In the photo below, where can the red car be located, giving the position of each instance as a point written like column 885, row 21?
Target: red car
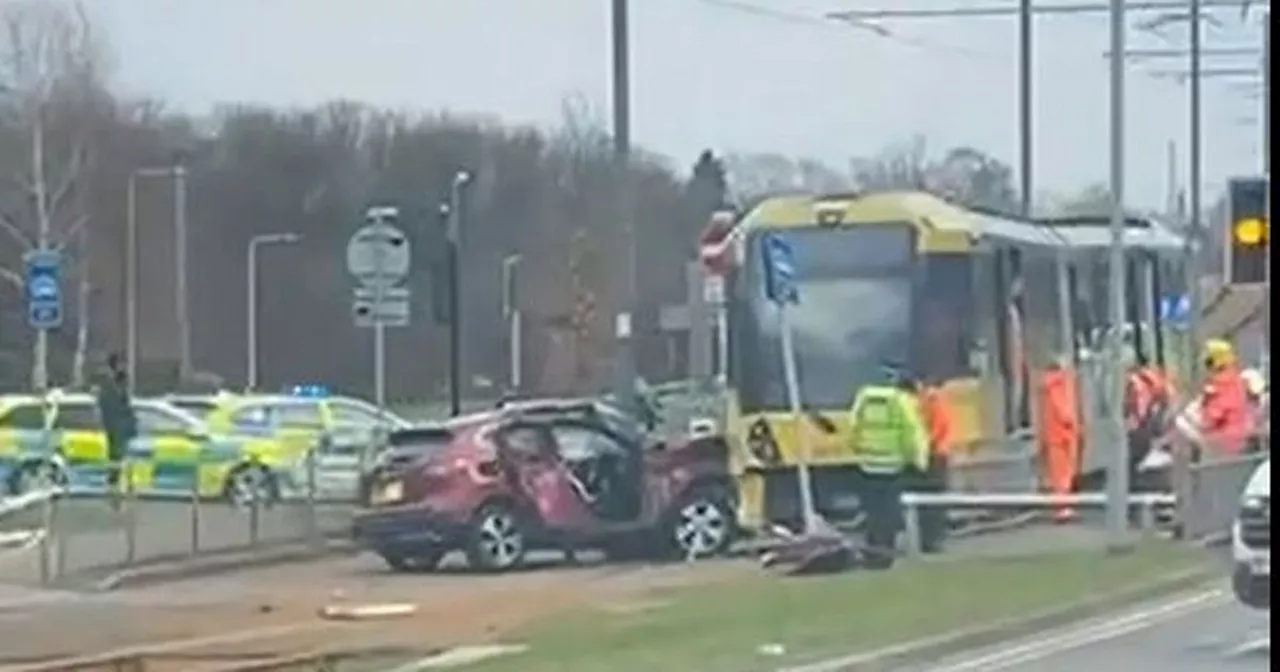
column 547, row 475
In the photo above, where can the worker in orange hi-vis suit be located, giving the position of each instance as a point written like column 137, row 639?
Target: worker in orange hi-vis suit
column 1059, row 433
column 1226, row 419
column 940, row 421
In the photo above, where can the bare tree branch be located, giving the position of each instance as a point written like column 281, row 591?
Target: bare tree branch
column 74, row 231
column 12, row 277
column 71, row 174
column 11, row 227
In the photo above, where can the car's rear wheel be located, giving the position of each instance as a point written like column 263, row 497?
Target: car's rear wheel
column 701, row 524
column 496, row 540
column 249, row 484
column 420, row 560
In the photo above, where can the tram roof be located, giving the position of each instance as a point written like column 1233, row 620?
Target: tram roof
column 1094, row 233
column 932, row 214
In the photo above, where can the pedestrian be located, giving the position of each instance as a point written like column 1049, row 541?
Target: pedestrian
column 1060, row 433
column 888, row 440
column 939, row 419
column 115, row 407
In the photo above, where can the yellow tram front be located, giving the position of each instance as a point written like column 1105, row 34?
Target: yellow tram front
column 973, row 302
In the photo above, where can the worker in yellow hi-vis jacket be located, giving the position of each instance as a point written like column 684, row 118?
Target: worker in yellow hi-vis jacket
column 889, row 441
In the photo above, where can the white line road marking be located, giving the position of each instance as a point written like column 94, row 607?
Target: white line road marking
column 1257, row 644
column 1091, row 633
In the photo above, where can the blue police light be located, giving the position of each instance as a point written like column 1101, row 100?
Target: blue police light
column 309, row 391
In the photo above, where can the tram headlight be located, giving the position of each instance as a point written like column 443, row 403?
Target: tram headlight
column 761, row 444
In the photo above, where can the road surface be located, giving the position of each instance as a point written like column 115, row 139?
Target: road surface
column 1204, row 631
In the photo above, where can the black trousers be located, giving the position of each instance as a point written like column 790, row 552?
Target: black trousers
column 934, row 520
column 881, row 498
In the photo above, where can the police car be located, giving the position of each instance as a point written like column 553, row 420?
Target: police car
column 58, row 439
column 343, row 431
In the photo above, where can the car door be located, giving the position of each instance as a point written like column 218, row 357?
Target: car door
column 24, row 435
column 298, row 425
column 614, row 458
column 164, row 445
column 83, row 443
column 355, row 432
column 543, row 478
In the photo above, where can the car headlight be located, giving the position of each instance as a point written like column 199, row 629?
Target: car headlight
column 1254, row 503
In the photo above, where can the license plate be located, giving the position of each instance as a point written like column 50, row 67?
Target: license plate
column 388, row 493
column 1260, row 566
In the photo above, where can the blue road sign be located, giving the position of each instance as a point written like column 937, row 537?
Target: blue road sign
column 43, row 289
column 779, row 270
column 1175, row 309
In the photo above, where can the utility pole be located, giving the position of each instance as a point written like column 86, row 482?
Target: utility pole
column 1195, row 232
column 1118, row 470
column 1026, row 108
column 623, row 328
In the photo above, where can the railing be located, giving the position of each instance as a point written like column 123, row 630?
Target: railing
column 80, row 530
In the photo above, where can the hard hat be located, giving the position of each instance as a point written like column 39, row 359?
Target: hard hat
column 1254, row 382
column 1218, row 353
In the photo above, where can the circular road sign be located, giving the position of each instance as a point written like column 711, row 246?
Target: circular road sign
column 378, row 255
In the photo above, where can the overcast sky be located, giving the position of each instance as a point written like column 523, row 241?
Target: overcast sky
column 706, row 74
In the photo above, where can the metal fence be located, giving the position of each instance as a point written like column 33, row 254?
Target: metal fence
column 87, row 532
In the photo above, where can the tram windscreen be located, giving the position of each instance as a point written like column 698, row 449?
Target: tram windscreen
column 854, row 315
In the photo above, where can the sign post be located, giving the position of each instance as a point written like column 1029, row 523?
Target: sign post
column 715, row 252
column 782, row 290
column 378, row 257
column 43, row 284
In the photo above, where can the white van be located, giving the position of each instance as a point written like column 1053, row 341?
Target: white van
column 1251, row 541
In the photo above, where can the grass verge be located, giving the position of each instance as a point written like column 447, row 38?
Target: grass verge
column 770, row 623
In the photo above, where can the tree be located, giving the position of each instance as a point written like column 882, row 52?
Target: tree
column 963, row 175
column 707, row 189
column 51, row 74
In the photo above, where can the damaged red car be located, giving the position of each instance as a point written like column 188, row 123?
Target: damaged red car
column 556, row 476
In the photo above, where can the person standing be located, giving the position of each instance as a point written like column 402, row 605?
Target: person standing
column 939, row 420
column 888, row 440
column 1060, row 433
column 115, row 407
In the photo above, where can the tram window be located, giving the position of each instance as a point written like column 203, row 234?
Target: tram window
column 945, row 331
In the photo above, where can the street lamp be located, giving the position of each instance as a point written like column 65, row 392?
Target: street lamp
column 511, row 312
column 178, row 173
column 452, row 213
column 251, row 304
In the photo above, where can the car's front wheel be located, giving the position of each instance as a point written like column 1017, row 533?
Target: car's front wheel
column 420, row 560
column 701, row 524
column 496, row 539
column 251, row 484
column 1251, row 589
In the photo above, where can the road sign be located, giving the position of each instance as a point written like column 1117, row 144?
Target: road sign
column 378, row 255
column 43, row 289
column 779, row 270
column 715, row 245
column 1175, row 309
column 388, row 307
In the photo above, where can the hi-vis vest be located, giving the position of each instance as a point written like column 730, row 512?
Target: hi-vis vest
column 888, row 432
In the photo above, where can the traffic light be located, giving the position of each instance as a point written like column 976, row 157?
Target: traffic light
column 1248, row 230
